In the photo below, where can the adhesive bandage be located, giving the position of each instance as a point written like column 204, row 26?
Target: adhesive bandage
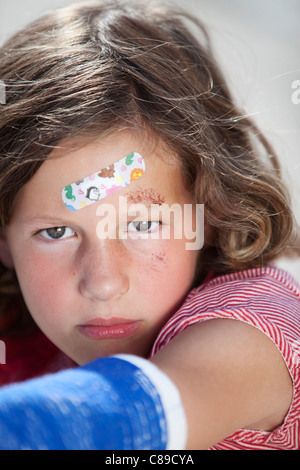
column 104, row 182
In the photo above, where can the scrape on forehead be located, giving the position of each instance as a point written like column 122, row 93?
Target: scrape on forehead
column 145, row 195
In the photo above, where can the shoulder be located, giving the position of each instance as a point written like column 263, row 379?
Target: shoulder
column 267, row 298
column 259, row 284
column 230, row 377
column 240, row 375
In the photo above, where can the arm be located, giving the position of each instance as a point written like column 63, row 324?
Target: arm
column 114, row 403
column 230, row 376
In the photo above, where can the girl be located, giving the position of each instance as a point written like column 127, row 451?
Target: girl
column 87, row 87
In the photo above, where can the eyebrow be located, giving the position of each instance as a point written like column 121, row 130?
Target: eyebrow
column 44, row 220
column 145, row 195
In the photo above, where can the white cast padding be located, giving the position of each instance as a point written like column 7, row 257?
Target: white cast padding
column 170, row 398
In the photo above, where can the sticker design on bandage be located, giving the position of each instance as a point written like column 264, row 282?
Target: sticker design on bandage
column 105, row 182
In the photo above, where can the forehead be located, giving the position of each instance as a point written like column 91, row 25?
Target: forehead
column 75, row 160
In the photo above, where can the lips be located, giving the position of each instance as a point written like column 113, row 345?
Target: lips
column 114, row 328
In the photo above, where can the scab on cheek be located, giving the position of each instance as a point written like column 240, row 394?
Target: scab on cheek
column 159, row 261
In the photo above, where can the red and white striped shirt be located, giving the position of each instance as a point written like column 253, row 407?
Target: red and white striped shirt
column 269, row 299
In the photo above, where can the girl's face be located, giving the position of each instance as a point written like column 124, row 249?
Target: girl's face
column 94, row 295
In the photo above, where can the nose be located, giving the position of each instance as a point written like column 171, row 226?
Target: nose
column 104, row 271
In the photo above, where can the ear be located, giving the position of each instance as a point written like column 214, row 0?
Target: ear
column 5, row 255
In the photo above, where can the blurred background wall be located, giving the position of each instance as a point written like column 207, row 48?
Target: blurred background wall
column 258, row 44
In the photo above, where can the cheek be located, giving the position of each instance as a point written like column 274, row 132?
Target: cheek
column 41, row 284
column 167, row 275
column 163, row 284
column 175, row 260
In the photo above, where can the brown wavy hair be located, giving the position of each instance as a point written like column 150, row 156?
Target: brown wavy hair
column 94, row 67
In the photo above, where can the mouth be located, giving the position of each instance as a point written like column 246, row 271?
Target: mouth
column 114, row 328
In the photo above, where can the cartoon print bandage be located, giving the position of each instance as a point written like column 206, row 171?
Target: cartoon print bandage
column 105, row 182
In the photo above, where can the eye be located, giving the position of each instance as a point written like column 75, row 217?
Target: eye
column 57, row 233
column 142, row 227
